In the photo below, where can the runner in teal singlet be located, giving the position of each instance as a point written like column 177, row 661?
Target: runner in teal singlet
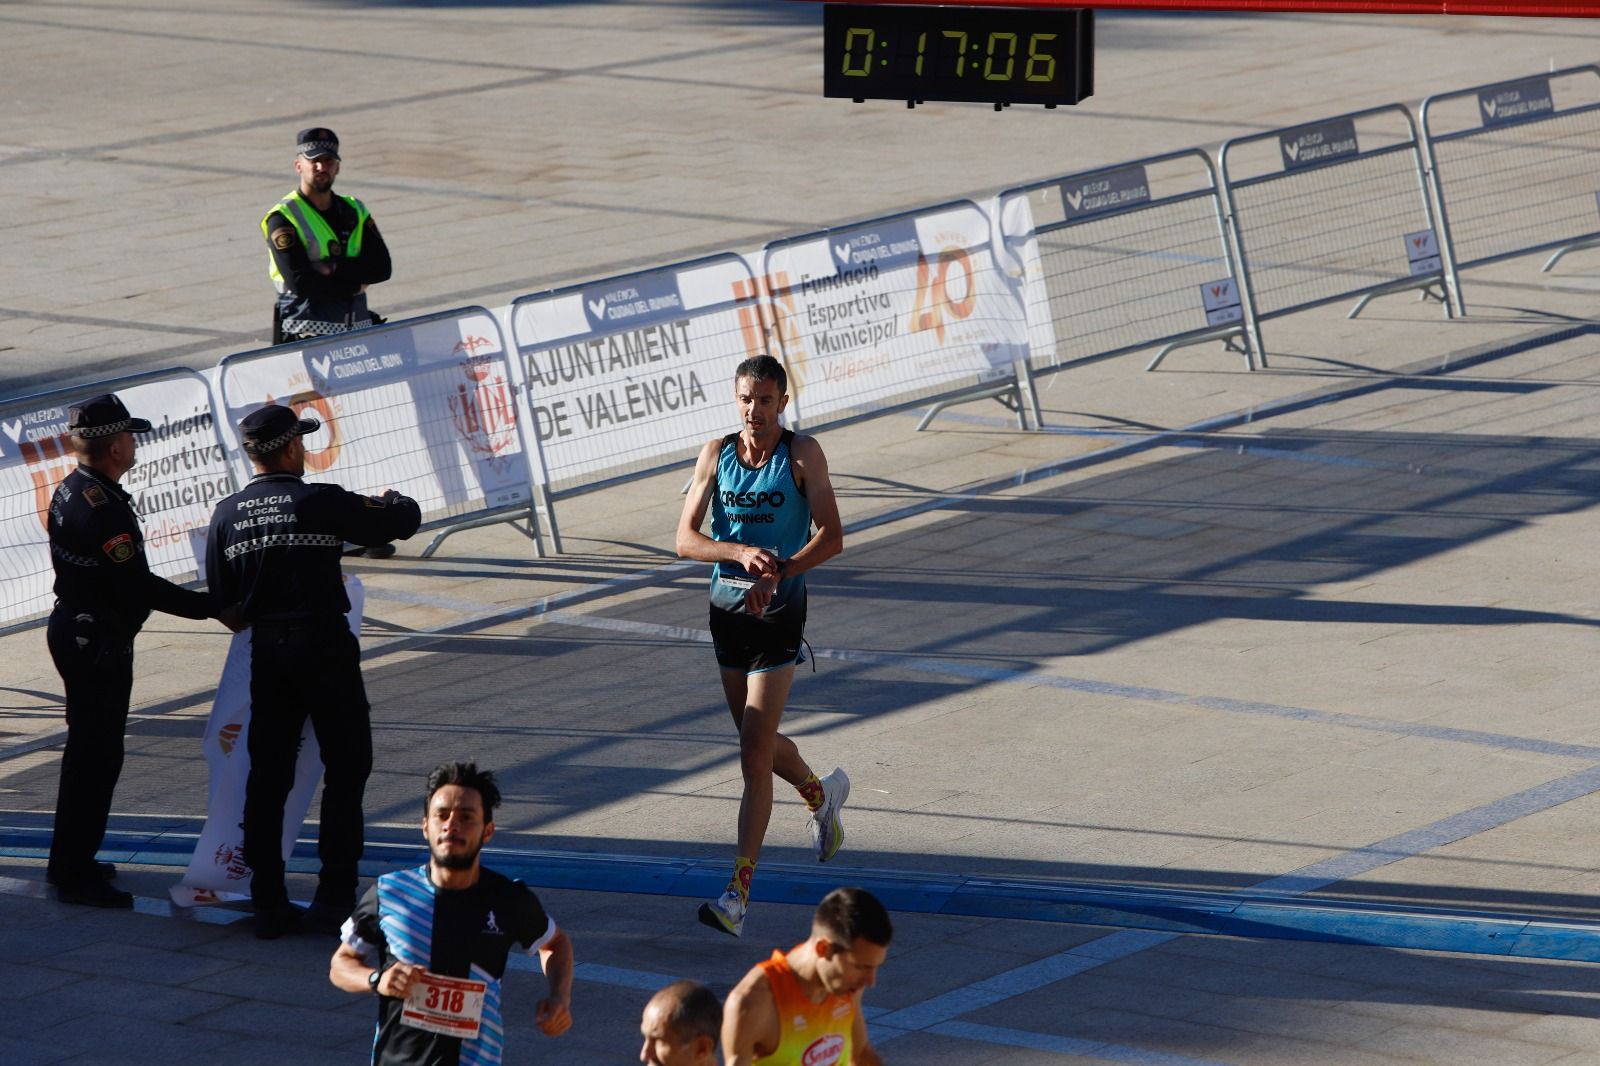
column 773, row 517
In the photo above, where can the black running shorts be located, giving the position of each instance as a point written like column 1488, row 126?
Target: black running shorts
column 756, row 645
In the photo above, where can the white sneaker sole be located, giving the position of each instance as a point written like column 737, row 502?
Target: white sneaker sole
column 838, row 826
column 712, row 917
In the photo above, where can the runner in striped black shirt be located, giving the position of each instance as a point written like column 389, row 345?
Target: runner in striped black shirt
column 432, row 942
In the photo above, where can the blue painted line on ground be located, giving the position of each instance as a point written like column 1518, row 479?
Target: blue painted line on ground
column 1026, row 978
column 1065, row 1045
column 1550, row 939
column 1428, row 837
column 1270, row 910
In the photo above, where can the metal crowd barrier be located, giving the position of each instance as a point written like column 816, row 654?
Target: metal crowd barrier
column 899, row 311
column 1512, row 166
column 1330, row 210
column 181, row 472
column 630, row 375
column 1126, row 257
column 426, row 406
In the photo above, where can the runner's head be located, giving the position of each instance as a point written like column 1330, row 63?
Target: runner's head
column 761, row 392
column 850, row 933
column 458, row 814
column 681, row 1026
column 763, row 368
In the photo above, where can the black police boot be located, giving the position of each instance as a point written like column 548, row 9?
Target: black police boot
column 94, row 893
column 273, row 922
column 327, row 917
column 103, row 870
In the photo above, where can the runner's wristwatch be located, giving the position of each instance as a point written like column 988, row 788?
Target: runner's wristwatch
column 374, row 977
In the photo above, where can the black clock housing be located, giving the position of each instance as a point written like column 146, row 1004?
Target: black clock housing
column 992, row 55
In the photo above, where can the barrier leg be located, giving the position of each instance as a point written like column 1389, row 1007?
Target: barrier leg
column 1026, row 388
column 512, row 519
column 550, row 519
column 1000, row 392
column 1226, row 336
column 1365, row 300
column 1443, row 296
column 1160, row 355
column 1562, row 251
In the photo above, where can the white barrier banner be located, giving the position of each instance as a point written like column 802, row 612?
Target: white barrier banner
column 217, row 871
column 179, row 474
column 425, row 407
column 1017, row 254
column 887, row 310
column 635, row 371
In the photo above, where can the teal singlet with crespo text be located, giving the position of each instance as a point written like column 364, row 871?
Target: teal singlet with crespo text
column 761, row 507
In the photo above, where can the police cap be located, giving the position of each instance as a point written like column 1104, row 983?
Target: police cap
column 316, row 142
column 102, row 416
column 269, row 428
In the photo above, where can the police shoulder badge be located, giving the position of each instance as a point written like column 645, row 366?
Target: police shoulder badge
column 282, row 239
column 95, row 495
column 119, row 549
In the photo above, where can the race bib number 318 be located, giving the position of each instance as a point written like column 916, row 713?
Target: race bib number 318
column 451, row 1006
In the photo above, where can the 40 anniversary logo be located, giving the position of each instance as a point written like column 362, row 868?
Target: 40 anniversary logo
column 322, row 448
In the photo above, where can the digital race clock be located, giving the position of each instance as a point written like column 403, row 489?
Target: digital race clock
column 995, row 55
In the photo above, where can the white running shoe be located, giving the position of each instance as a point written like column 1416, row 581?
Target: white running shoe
column 725, row 913
column 827, row 830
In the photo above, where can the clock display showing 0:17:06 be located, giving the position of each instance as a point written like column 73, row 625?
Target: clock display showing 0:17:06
column 997, row 55
column 951, row 55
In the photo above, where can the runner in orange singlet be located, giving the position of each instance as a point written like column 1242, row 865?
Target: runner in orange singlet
column 803, row 1008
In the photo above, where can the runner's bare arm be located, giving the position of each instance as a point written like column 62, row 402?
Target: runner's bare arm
column 749, row 1021
column 554, row 1013
column 811, row 471
column 348, row 971
column 693, row 544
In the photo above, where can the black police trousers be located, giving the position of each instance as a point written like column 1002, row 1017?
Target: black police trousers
column 95, row 662
column 300, row 670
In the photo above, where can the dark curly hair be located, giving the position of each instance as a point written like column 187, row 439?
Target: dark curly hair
column 466, row 775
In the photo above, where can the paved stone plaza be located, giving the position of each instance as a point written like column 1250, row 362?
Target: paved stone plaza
column 1310, row 638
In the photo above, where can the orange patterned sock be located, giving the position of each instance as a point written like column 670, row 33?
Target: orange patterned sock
column 744, row 871
column 811, row 791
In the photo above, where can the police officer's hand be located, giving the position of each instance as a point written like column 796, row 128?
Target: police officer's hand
column 553, row 1017
column 398, row 979
column 232, row 617
column 324, row 267
column 391, row 495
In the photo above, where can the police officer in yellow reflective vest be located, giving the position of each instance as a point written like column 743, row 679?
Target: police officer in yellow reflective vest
column 325, row 249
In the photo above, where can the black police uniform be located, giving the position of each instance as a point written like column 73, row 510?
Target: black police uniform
column 104, row 592
column 311, row 303
column 317, row 304
column 273, row 550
